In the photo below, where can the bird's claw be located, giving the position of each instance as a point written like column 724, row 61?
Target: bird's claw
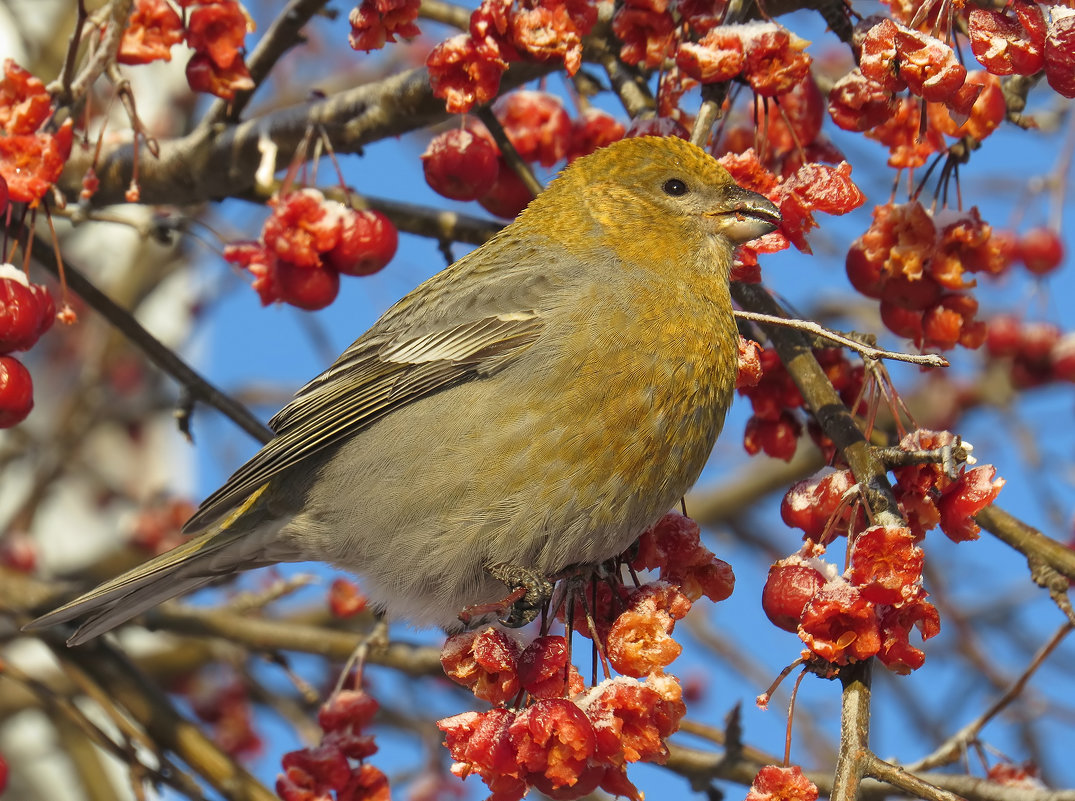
column 530, row 592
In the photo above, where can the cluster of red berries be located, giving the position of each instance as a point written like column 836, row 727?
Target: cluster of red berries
column 811, row 187
column 220, row 698
column 337, row 765
column 823, row 507
column 1016, row 40
column 778, row 406
column 158, row 526
column 776, row 783
column 466, row 69
column 867, row 611
column 916, row 264
column 870, row 608
column 1038, row 353
column 568, row 739
column 26, row 312
column 374, row 22
column 568, row 747
column 465, row 163
column 771, row 59
column 213, row 29
column 307, row 243
column 31, row 159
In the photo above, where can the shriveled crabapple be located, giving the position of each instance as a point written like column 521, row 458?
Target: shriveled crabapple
column 717, row 56
column 536, row 124
column 374, row 22
column 639, row 641
column 302, row 226
column 153, row 28
column 486, row 662
column 812, row 504
column 775, row 783
column 775, row 61
column 886, row 564
column 976, row 109
column 593, row 128
column 1060, row 50
column 673, row 545
column 31, row 163
column 840, row 625
column 857, row 103
column 24, row 101
column 548, row 30
column 648, row 35
column 1009, row 40
column 462, row 74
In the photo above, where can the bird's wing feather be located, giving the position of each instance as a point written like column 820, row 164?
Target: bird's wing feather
column 379, row 373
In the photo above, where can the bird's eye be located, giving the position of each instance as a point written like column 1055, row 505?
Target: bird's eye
column 675, row 187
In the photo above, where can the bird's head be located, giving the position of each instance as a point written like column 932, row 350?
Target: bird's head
column 652, row 188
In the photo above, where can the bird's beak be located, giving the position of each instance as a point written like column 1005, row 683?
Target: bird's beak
column 745, row 215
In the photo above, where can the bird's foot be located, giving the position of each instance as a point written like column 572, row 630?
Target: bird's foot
column 530, row 591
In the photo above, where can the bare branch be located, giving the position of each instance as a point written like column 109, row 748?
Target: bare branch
column 861, row 348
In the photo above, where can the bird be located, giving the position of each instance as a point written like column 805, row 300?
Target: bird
column 535, row 406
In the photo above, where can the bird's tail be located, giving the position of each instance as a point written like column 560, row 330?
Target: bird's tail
column 222, row 550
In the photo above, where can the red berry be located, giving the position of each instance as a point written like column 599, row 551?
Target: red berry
column 536, row 124
column 592, row 129
column 460, row 164
column 865, row 273
column 26, row 310
column 509, row 194
column 309, row 288
column 16, row 392
column 787, row 591
column 1041, row 250
column 900, row 321
column 18, row 552
column 367, row 242
column 1063, row 358
column 345, row 599
column 1002, row 336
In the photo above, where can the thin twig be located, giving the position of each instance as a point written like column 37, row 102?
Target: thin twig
column 865, row 351
column 283, row 34
column 951, row 749
column 157, row 352
column 904, row 780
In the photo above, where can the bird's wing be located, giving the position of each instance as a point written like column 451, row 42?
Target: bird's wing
column 380, row 372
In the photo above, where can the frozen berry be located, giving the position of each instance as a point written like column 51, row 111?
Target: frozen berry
column 368, row 241
column 460, row 164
